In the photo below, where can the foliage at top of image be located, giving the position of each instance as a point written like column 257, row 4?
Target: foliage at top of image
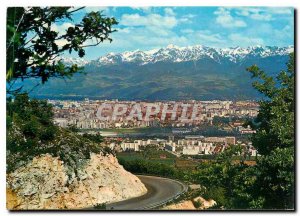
column 33, row 45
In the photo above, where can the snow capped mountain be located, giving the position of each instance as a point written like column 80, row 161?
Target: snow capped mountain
column 71, row 61
column 173, row 53
column 171, row 73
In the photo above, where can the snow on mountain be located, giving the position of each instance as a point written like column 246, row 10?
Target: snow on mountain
column 173, row 53
column 71, row 61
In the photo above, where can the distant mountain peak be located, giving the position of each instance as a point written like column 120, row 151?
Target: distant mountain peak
column 171, row 73
column 174, row 53
column 71, row 61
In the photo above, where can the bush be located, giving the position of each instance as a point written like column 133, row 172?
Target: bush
column 93, row 137
column 31, row 132
column 217, row 194
column 197, row 203
column 101, row 206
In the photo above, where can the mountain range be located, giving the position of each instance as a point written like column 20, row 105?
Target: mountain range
column 169, row 73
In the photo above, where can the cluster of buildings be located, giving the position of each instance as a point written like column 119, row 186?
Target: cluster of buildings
column 190, row 145
column 85, row 114
column 228, row 109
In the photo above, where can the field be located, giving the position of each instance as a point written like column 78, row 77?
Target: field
column 167, row 158
column 160, row 156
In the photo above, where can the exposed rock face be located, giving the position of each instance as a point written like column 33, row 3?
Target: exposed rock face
column 44, row 184
column 188, row 204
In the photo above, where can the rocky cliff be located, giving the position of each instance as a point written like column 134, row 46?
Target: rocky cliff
column 45, row 183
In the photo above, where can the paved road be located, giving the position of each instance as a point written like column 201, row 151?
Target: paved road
column 160, row 191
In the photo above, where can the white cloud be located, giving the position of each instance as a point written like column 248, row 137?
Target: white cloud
column 157, row 30
column 203, row 37
column 148, row 20
column 254, row 13
column 281, row 35
column 190, row 16
column 262, row 13
column 243, row 40
column 186, row 18
column 225, row 19
column 281, row 10
column 149, row 30
column 150, row 37
column 90, row 9
column 144, row 9
column 61, row 29
column 257, row 16
column 169, row 12
column 124, row 30
column 208, row 37
column 61, row 42
column 187, row 31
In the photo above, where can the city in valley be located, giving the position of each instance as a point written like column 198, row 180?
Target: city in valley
column 192, row 129
column 150, row 108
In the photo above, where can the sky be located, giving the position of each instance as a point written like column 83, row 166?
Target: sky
column 145, row 28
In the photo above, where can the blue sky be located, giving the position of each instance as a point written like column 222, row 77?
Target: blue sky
column 154, row 27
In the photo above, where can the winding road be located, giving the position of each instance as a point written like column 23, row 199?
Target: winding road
column 160, row 191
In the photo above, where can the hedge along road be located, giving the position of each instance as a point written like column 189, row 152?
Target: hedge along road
column 160, row 191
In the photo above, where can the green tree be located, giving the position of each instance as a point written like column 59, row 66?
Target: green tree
column 35, row 118
column 33, row 45
column 97, row 138
column 226, row 181
column 31, row 132
column 274, row 139
column 33, row 51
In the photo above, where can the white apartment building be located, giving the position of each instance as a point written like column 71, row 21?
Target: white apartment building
column 191, row 150
column 187, row 141
column 130, row 146
column 200, row 148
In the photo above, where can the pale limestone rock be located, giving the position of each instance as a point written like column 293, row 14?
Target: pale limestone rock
column 44, row 184
column 183, row 205
column 188, row 204
column 205, row 203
